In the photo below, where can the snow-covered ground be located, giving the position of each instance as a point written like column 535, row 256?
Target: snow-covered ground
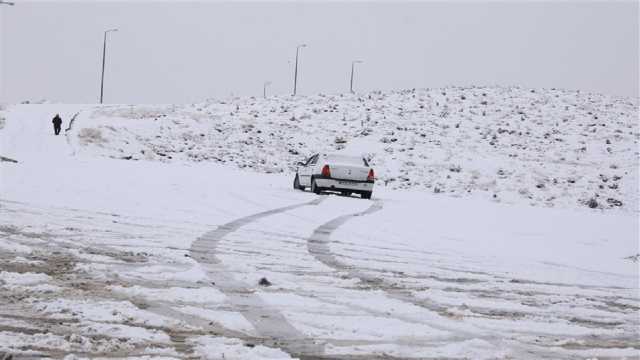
column 107, row 252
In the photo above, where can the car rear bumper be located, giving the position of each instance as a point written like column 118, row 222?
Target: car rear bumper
column 341, row 185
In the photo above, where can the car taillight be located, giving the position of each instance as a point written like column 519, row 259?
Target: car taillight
column 326, row 172
column 371, row 175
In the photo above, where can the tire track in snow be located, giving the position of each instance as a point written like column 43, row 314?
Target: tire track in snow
column 318, row 242
column 318, row 246
column 267, row 320
column 52, row 252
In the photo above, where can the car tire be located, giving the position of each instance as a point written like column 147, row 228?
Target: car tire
column 296, row 183
column 366, row 195
column 314, row 188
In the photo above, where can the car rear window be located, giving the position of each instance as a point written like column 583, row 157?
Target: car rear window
column 347, row 160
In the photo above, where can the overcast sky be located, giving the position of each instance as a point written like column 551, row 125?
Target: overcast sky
column 175, row 52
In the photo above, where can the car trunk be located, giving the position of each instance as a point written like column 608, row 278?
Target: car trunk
column 349, row 172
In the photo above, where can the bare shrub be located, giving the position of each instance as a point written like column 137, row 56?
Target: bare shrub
column 91, row 136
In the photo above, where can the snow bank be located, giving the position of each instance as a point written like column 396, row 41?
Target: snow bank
column 10, row 278
column 90, row 311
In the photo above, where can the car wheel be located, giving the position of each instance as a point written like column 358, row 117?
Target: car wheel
column 296, row 183
column 314, row 188
column 366, row 195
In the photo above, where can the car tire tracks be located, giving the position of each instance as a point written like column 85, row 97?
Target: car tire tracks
column 318, row 246
column 267, row 321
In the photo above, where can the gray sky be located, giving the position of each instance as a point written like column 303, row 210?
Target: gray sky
column 187, row 51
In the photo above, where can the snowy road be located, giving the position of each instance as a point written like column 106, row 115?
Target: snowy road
column 266, row 321
column 111, row 258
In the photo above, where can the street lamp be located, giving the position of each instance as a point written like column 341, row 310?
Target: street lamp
column 295, row 73
column 264, row 88
column 104, row 55
column 6, row 3
column 353, row 63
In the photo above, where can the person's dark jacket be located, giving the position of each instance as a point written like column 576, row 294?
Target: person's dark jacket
column 57, row 121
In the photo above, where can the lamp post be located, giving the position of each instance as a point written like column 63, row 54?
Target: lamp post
column 353, row 63
column 295, row 73
column 104, row 56
column 264, row 88
column 6, row 3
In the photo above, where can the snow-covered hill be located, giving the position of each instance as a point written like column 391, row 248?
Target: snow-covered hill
column 551, row 148
column 108, row 258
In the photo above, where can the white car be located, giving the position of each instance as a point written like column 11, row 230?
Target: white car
column 331, row 172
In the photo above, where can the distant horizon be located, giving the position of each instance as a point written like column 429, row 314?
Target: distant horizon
column 633, row 100
column 187, row 52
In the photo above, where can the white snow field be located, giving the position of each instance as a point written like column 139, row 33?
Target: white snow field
column 146, row 231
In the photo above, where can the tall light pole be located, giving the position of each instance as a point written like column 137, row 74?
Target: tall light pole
column 264, row 88
column 353, row 63
column 10, row 4
column 295, row 73
column 104, row 56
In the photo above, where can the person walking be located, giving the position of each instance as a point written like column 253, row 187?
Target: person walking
column 57, row 124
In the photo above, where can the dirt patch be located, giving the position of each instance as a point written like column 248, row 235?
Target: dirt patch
column 602, row 343
column 595, row 323
column 55, row 264
column 126, row 256
column 495, row 313
column 622, row 307
column 12, row 230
